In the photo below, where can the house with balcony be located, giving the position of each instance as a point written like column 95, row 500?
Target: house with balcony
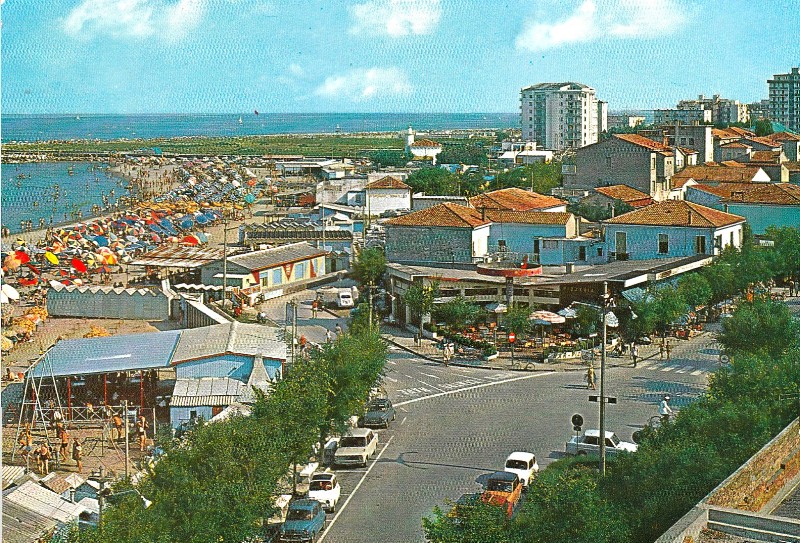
column 672, row 228
column 445, row 233
column 626, row 159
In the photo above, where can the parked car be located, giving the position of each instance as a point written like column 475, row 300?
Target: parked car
column 589, row 443
column 356, row 447
column 524, row 465
column 304, row 521
column 380, row 412
column 503, row 489
column 324, row 487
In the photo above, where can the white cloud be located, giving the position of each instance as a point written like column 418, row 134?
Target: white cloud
column 396, row 17
column 361, row 84
column 134, row 18
column 592, row 20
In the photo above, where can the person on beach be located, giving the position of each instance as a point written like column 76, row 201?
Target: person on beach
column 77, row 454
column 64, row 438
column 44, row 459
column 118, row 427
column 590, row 384
column 141, row 433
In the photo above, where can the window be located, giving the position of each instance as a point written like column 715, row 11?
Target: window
column 663, row 244
column 501, row 244
column 265, row 280
column 536, row 246
column 599, row 251
column 277, row 276
column 550, row 244
column 582, row 253
column 608, row 162
column 621, row 239
column 300, row 270
column 700, row 245
column 652, row 162
column 691, row 141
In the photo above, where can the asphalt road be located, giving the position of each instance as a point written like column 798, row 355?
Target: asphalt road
column 457, row 425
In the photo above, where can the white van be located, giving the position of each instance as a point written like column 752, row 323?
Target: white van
column 344, row 299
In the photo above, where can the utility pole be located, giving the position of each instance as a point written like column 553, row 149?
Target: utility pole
column 603, row 383
column 370, row 305
column 127, row 439
column 224, row 258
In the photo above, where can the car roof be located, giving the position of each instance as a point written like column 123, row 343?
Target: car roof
column 503, row 476
column 358, row 432
column 323, row 477
column 596, row 433
column 524, row 456
column 379, row 401
column 303, row 504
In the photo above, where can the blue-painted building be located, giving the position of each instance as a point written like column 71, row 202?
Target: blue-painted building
column 671, row 228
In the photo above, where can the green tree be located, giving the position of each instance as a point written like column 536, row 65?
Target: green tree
column 587, row 321
column 458, row 313
column 518, row 320
column 596, row 213
column 760, row 326
column 419, row 299
column 786, row 254
column 763, row 127
column 390, row 157
column 695, row 289
column 369, row 266
column 470, row 522
column 542, row 177
column 722, row 278
column 668, row 305
column 463, row 153
column 433, row 181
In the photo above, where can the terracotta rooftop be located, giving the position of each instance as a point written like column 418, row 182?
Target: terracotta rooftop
column 528, row 217
column 677, row 213
column 718, row 174
column 447, row 214
column 741, row 131
column 425, row 143
column 763, row 141
column 725, row 133
column 622, row 192
column 641, row 141
column 771, row 194
column 784, row 136
column 688, row 151
column 766, row 156
column 733, row 164
column 725, row 189
column 735, row 145
column 388, row 182
column 514, row 199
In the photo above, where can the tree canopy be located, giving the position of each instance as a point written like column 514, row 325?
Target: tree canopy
column 369, row 266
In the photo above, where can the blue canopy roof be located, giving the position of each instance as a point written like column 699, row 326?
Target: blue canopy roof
column 108, row 354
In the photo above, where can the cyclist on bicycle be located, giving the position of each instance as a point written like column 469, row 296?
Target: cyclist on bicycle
column 665, row 410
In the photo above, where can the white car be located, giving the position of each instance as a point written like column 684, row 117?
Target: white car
column 356, row 447
column 524, row 465
column 589, row 443
column 324, row 487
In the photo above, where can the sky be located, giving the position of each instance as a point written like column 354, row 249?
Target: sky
column 318, row 56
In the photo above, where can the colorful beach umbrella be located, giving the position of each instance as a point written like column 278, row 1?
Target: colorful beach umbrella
column 10, row 292
column 191, row 240
column 78, row 265
column 51, row 258
column 33, row 268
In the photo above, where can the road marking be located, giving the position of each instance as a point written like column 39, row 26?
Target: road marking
column 684, row 369
column 430, row 385
column 392, row 362
column 482, row 385
column 404, row 410
column 647, row 365
column 402, row 422
column 353, row 493
column 697, row 372
column 392, row 379
column 429, row 375
column 668, row 368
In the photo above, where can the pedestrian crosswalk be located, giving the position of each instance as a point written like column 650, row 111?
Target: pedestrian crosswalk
column 667, row 366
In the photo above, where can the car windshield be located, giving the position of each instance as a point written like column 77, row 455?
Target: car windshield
column 299, row 514
column 352, row 441
column 320, row 485
column 614, row 440
column 378, row 407
column 516, row 464
column 344, row 296
column 501, row 486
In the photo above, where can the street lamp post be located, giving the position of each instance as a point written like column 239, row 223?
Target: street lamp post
column 603, row 382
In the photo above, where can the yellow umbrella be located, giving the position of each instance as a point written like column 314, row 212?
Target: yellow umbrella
column 51, row 258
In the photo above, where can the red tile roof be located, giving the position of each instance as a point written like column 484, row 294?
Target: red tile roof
column 741, row 131
column 688, row 151
column 717, row 174
column 515, row 199
column 725, row 133
column 735, row 145
column 425, row 143
column 388, row 183
column 641, row 141
column 447, row 214
column 772, row 194
column 763, row 141
column 622, row 192
column 784, row 136
column 677, row 213
column 766, row 156
column 528, row 217
column 725, row 189
column 733, row 164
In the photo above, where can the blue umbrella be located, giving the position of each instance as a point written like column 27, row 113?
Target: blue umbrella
column 101, row 241
column 202, row 237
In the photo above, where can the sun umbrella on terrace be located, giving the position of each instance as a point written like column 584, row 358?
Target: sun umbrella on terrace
column 78, row 264
column 546, row 318
column 22, row 256
column 568, row 313
column 10, row 292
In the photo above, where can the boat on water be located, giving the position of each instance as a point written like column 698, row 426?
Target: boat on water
column 240, row 120
column 71, row 170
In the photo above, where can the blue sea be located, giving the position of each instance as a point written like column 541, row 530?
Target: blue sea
column 111, row 127
column 46, row 190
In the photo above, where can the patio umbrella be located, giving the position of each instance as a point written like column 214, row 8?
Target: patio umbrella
column 191, row 240
column 496, row 307
column 22, row 256
column 10, row 292
column 78, row 265
column 546, row 318
column 3, row 298
column 11, row 262
column 54, row 283
column 51, row 258
column 568, row 313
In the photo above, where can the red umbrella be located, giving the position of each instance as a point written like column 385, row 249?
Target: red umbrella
column 66, row 282
column 22, row 256
column 78, row 265
column 26, row 282
column 33, row 268
column 63, row 273
column 191, row 240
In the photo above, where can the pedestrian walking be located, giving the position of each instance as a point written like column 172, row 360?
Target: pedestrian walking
column 796, row 287
column 64, row 437
column 668, row 348
column 635, row 354
column 791, row 288
column 141, row 434
column 314, row 308
column 77, row 454
column 44, row 459
column 328, row 336
column 590, row 378
column 118, row 427
column 338, row 329
column 664, row 409
column 661, row 349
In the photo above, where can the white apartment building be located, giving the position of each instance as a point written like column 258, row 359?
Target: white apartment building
column 723, row 110
column 562, row 116
column 784, row 99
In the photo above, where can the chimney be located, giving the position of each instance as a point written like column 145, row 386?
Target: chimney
column 483, row 213
column 690, row 217
column 726, row 208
